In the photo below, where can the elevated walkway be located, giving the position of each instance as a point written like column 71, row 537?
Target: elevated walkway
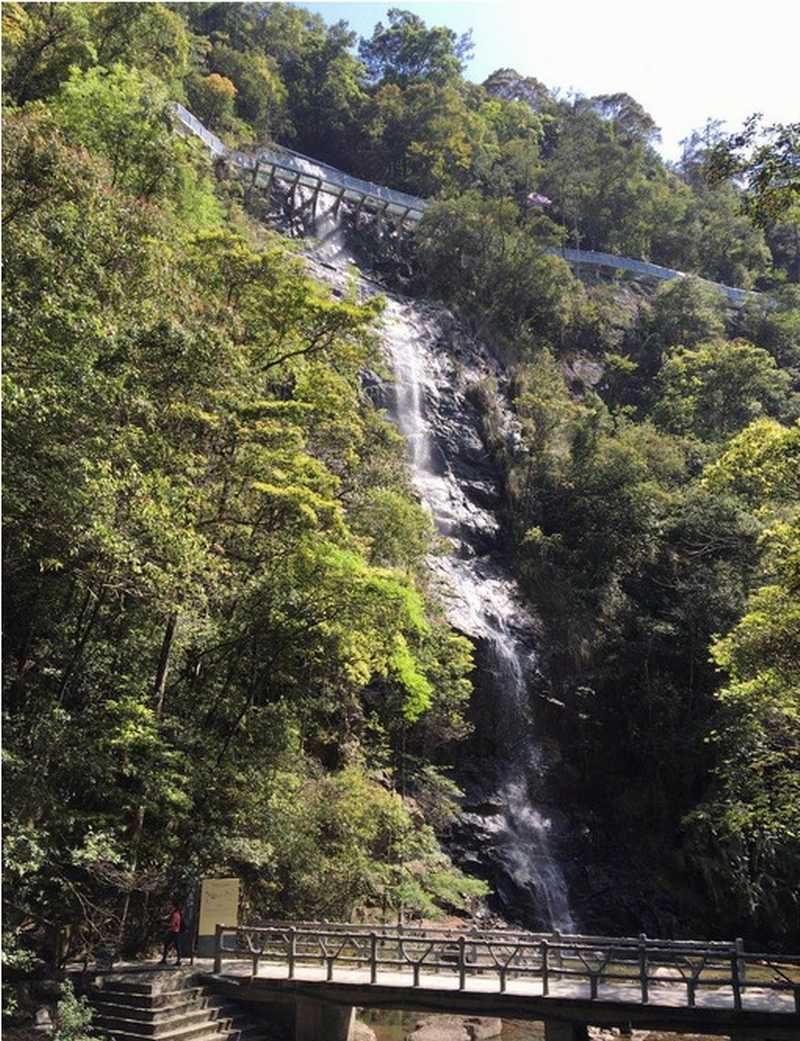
column 579, row 257
column 296, row 169
column 300, row 170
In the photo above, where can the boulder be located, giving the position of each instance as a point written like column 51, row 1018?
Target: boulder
column 482, row 1027
column 43, row 1020
column 361, row 1032
column 456, row 1028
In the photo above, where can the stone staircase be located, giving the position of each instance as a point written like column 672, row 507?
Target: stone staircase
column 168, row 1005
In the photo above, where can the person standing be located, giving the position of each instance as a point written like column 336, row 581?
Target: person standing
column 173, row 937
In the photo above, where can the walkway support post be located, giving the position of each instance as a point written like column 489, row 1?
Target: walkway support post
column 561, row 1030
column 739, row 943
column 736, row 982
column 545, row 967
column 322, row 1021
column 558, row 953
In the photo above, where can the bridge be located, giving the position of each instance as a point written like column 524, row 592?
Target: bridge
column 268, row 165
column 297, row 170
column 568, row 982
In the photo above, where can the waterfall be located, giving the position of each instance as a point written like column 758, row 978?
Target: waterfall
column 457, row 482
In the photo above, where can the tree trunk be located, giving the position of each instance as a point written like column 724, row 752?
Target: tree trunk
column 160, row 685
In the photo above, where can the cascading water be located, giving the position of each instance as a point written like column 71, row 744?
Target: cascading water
column 456, row 481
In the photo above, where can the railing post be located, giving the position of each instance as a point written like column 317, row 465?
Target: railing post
column 292, row 950
column 558, row 952
column 545, row 967
column 593, row 980
column 735, row 981
column 643, row 977
column 739, row 942
column 462, row 962
column 373, row 957
column 218, row 948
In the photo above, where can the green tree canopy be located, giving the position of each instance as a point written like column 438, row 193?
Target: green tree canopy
column 406, row 51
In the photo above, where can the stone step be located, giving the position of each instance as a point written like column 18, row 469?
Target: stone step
column 146, row 1002
column 168, row 1005
column 158, row 1027
column 173, row 1004
column 218, row 1031
column 158, row 981
column 123, row 1030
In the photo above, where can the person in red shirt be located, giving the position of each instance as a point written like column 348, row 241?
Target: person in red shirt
column 173, row 937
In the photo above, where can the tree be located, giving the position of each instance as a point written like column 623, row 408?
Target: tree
column 718, row 387
column 687, row 311
column 211, row 99
column 195, row 567
column 41, row 43
column 509, row 85
column 406, row 51
column 124, row 116
column 473, row 252
column 744, row 837
column 261, row 96
column 767, row 161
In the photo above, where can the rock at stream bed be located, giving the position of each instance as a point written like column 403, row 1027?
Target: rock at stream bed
column 361, row 1032
column 456, row 1028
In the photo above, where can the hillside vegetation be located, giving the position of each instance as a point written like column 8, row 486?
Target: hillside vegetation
column 222, row 650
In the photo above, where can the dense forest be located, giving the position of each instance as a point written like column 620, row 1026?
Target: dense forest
column 223, row 650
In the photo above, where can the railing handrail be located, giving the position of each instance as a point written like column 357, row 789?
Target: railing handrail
column 557, row 937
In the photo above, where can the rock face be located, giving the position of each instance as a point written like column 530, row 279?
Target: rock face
column 437, row 376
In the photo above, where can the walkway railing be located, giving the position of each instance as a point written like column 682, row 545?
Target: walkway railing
column 638, row 970
column 576, row 257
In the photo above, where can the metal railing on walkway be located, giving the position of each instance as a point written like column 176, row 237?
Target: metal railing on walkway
column 576, row 257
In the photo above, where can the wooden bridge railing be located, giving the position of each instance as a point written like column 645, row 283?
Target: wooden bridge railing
column 640, row 965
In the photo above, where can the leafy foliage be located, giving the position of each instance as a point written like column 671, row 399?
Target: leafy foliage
column 221, row 650
column 190, row 466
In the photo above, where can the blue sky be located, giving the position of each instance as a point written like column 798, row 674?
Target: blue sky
column 684, row 62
